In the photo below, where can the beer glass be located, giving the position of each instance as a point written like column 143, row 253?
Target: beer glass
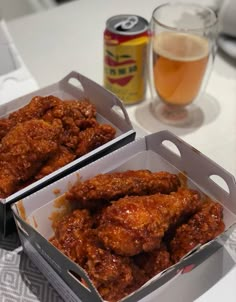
column 182, row 50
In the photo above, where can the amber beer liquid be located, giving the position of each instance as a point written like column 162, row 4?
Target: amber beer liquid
column 179, row 66
column 125, row 57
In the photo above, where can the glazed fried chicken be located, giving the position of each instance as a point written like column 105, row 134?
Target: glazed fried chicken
column 75, row 115
column 103, row 188
column 153, row 262
column 37, row 107
column 72, row 131
column 69, row 234
column 136, row 224
column 94, row 137
column 78, row 110
column 5, row 126
column 204, row 226
column 123, row 244
column 112, row 275
column 62, row 157
column 23, row 150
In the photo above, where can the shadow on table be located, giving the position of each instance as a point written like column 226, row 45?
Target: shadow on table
column 35, row 285
column 204, row 112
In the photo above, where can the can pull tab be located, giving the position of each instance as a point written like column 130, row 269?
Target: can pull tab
column 127, row 24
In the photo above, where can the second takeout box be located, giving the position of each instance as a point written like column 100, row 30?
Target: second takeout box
column 156, row 152
column 110, row 110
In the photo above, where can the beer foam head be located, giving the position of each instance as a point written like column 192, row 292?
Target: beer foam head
column 180, row 46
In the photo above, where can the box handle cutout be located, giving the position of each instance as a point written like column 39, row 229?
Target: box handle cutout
column 120, row 111
column 78, row 279
column 170, row 146
column 220, row 182
column 75, row 83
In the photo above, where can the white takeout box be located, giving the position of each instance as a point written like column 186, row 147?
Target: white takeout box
column 156, row 152
column 110, row 109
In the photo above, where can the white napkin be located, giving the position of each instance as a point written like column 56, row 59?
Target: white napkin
column 15, row 78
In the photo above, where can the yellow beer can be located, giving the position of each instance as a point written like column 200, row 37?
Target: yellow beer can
column 126, row 40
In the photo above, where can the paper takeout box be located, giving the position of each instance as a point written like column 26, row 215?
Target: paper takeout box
column 110, row 109
column 156, row 152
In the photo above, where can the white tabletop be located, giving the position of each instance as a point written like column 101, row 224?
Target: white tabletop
column 70, row 37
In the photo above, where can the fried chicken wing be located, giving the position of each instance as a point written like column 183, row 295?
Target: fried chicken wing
column 135, row 224
column 23, row 150
column 204, row 226
column 75, row 115
column 78, row 110
column 153, row 262
column 35, row 109
column 101, row 189
column 110, row 273
column 62, row 157
column 70, row 234
column 94, row 137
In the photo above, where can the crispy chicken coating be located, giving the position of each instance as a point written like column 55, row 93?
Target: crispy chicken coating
column 94, row 137
column 77, row 110
column 75, row 115
column 136, row 224
column 204, row 226
column 71, row 234
column 103, row 188
column 5, row 126
column 154, row 262
column 62, row 157
column 112, row 275
column 34, row 110
column 23, row 150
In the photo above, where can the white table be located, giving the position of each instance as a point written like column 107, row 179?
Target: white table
column 70, row 37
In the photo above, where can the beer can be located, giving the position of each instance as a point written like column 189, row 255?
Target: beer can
column 125, row 57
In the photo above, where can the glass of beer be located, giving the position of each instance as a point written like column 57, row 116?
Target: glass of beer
column 183, row 46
